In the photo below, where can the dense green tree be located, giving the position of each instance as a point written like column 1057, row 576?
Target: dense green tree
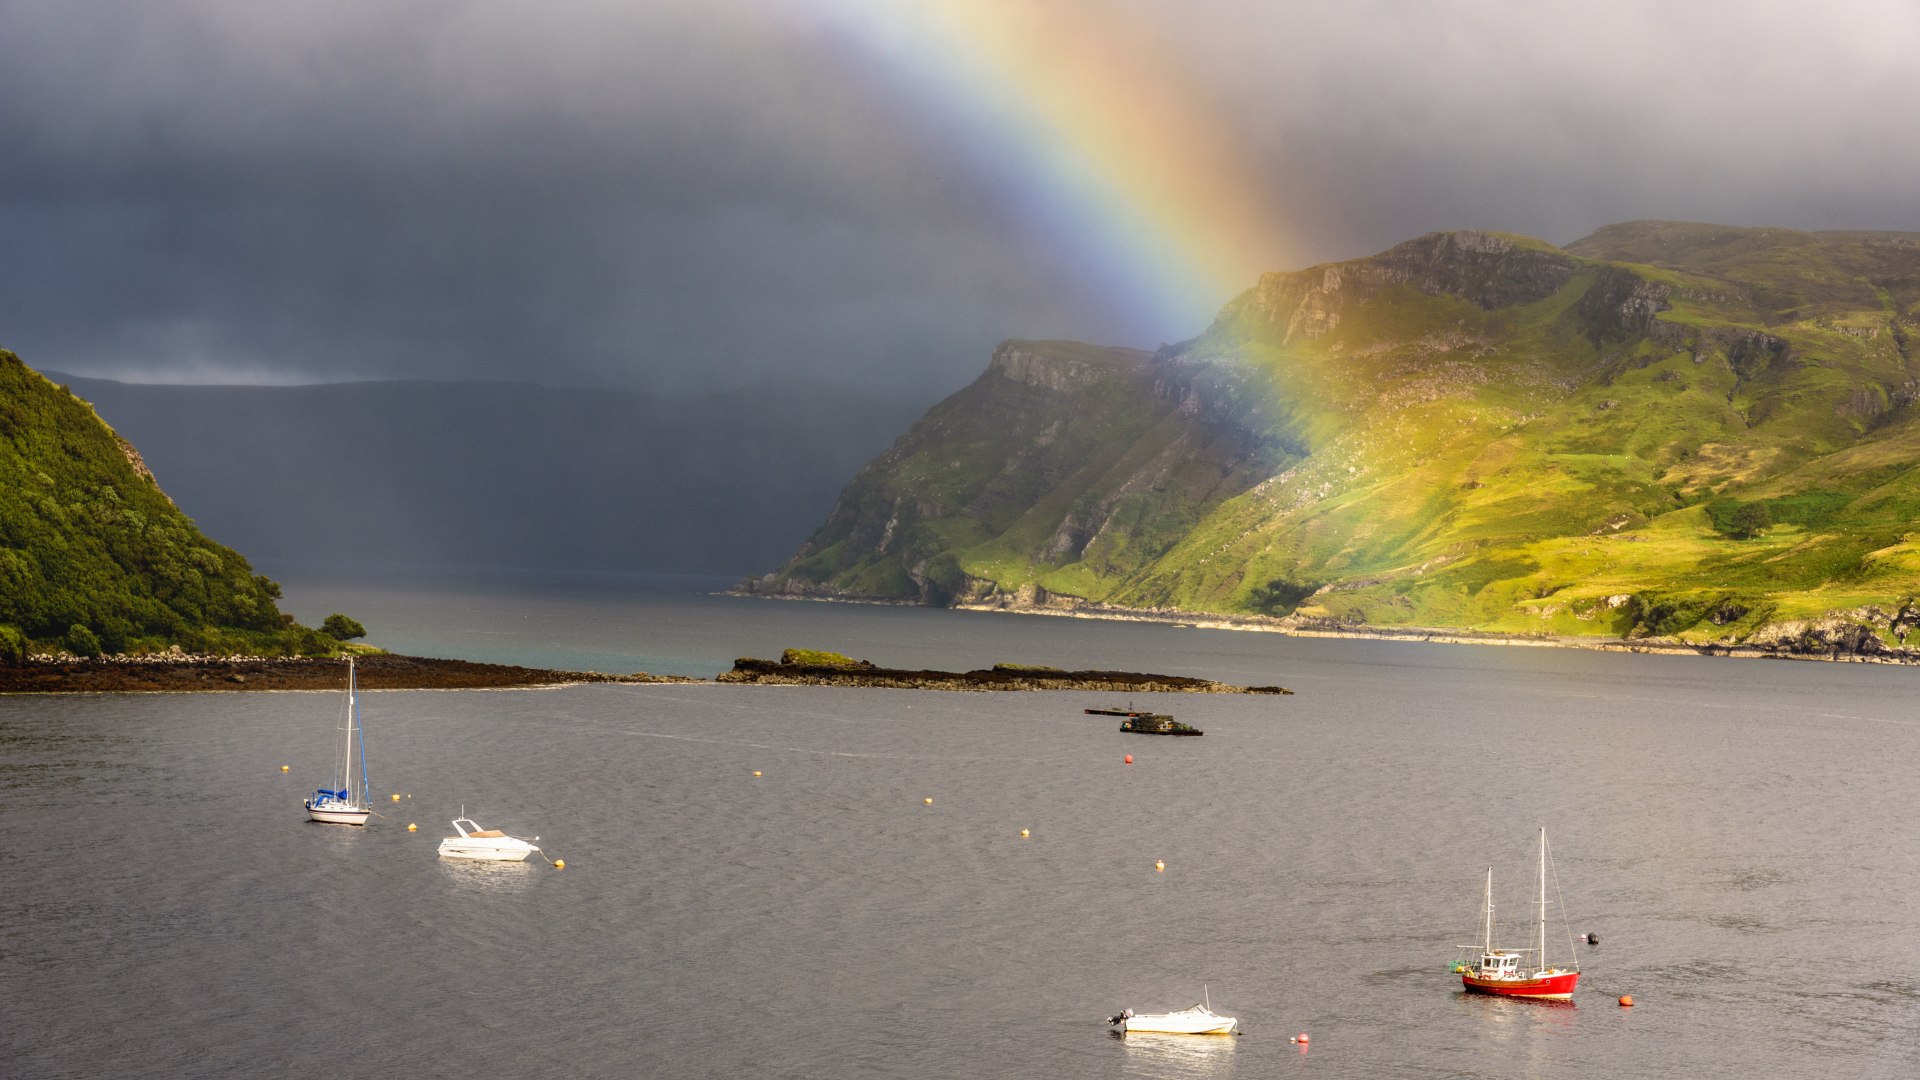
column 13, row 646
column 1750, row 520
column 82, row 641
column 342, row 628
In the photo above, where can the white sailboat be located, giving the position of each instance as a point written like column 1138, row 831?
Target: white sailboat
column 347, row 802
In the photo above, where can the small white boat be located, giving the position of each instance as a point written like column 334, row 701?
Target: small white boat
column 1194, row 1020
column 475, row 842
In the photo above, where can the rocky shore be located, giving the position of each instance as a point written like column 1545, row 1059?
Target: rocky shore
column 1844, row 637
column 795, row 670
column 201, row 674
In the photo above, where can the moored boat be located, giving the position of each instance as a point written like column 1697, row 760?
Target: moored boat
column 1197, row 1019
column 1520, row 973
column 347, row 802
column 490, row 845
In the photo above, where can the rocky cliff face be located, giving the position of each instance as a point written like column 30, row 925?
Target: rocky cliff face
column 1664, row 431
column 1059, row 455
column 1489, row 270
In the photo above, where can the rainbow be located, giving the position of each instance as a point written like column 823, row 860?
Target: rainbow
column 1094, row 137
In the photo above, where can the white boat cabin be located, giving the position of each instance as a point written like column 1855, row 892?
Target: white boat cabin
column 1500, row 964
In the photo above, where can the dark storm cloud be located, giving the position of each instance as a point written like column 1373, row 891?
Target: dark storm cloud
column 1383, row 120
column 681, row 193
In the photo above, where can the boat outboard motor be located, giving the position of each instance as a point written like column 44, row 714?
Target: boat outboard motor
column 1124, row 1014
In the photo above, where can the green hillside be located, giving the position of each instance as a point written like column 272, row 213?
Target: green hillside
column 95, row 558
column 1665, row 429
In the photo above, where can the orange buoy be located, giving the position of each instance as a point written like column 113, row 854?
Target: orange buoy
column 1129, row 759
column 1626, row 1001
column 1300, row 1038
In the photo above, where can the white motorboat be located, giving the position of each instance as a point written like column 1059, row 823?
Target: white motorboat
column 493, row 845
column 1194, row 1020
column 347, row 802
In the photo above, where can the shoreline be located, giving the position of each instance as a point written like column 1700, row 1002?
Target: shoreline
column 1291, row 627
column 221, row 674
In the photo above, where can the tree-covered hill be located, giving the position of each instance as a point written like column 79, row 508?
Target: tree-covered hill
column 1665, row 429
column 95, row 558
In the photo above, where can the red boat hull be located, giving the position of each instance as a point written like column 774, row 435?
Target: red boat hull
column 1552, row 988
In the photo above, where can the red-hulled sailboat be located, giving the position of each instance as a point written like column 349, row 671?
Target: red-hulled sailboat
column 1506, row 972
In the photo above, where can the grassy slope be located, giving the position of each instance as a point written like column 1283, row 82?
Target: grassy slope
column 86, row 540
column 1521, row 487
column 1517, row 462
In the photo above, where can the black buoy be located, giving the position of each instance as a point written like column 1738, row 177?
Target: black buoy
column 1593, row 939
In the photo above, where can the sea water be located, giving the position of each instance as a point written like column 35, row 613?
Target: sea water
column 1738, row 834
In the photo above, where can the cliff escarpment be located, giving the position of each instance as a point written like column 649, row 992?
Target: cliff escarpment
column 1060, row 456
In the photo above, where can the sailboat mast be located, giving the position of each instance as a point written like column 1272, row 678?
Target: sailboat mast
column 346, row 753
column 1541, row 956
column 1489, row 945
column 366, row 785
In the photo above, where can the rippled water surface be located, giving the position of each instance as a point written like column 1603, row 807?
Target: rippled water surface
column 1739, row 834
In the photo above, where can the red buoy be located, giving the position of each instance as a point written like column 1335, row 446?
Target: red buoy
column 1626, row 1001
column 1302, row 1037
column 1129, row 759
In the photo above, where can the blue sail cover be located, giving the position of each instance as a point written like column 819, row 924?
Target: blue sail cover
column 328, row 793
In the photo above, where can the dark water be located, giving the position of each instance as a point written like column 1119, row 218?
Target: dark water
column 1739, row 834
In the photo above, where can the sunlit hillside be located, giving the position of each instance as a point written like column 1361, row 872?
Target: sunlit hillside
column 1664, row 429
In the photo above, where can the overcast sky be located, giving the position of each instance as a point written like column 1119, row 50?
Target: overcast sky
column 675, row 194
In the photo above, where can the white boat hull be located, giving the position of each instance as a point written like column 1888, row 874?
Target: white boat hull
column 451, row 848
column 486, row 845
column 1198, row 1020
column 339, row 816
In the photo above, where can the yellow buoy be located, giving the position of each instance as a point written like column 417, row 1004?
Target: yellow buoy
column 396, row 798
column 1023, row 834
column 411, row 827
column 756, row 772
column 559, row 864
column 284, row 768
column 1160, row 865
column 929, row 800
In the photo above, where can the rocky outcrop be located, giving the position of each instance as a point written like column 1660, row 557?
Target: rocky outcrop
column 1488, row 269
column 1621, row 304
column 998, row 677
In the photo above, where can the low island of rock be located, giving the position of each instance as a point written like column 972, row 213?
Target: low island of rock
column 809, row 667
